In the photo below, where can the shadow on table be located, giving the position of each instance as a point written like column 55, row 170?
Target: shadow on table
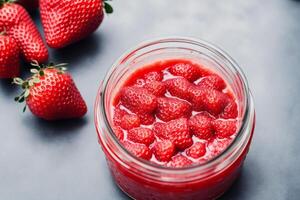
column 54, row 130
column 79, row 51
column 7, row 87
column 247, row 183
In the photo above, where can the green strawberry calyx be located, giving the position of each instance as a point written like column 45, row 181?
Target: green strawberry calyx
column 37, row 72
column 2, row 2
column 107, row 7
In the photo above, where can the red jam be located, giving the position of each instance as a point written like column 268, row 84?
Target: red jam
column 175, row 113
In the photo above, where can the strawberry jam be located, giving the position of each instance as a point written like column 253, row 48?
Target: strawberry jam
column 175, row 119
column 175, row 113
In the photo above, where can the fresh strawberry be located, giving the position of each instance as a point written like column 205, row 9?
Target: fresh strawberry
column 30, row 5
column 18, row 25
column 138, row 100
column 139, row 150
column 153, row 76
column 141, row 135
column 230, row 110
column 197, row 150
column 164, row 150
column 186, row 70
column 200, row 125
column 210, row 100
column 118, row 132
column 51, row 94
column 66, row 21
column 180, row 161
column 212, row 82
column 118, row 114
column 146, row 118
column 130, row 121
column 224, row 128
column 9, row 57
column 177, row 131
column 156, row 88
column 171, row 108
column 179, row 87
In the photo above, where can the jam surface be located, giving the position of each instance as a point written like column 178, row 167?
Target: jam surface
column 175, row 113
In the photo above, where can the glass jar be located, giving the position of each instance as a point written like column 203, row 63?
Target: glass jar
column 143, row 180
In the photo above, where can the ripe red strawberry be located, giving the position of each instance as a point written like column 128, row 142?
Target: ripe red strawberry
column 130, row 121
column 138, row 100
column 51, row 94
column 224, row 128
column 153, row 76
column 212, row 82
column 177, row 131
column 171, row 108
column 200, row 125
column 141, row 135
column 156, row 88
column 209, row 100
column 230, row 110
column 186, row 70
column 66, row 22
column 164, row 150
column 18, row 24
column 30, row 5
column 147, row 118
column 179, row 87
column 118, row 132
column 180, row 161
column 197, row 150
column 139, row 150
column 9, row 57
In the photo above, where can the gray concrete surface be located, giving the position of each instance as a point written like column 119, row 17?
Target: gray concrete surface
column 62, row 161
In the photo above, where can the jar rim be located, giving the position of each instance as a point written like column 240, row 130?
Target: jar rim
column 101, row 109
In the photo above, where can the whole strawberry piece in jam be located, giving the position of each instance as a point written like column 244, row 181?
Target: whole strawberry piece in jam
column 118, row 132
column 179, row 87
column 66, row 21
column 146, row 118
column 51, row 93
column 141, row 135
column 118, row 115
column 139, row 150
column 153, row 76
column 9, row 57
column 164, row 150
column 30, row 5
column 230, row 110
column 224, row 128
column 171, row 108
column 156, row 88
column 210, row 100
column 201, row 125
column 130, row 121
column 177, row 131
column 180, row 161
column 216, row 146
column 186, row 70
column 212, row 82
column 138, row 100
column 197, row 150
column 18, row 25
